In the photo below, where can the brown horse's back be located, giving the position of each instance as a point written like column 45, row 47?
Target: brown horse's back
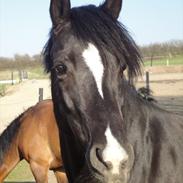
column 38, row 136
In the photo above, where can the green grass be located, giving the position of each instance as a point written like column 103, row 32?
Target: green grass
column 21, row 173
column 33, row 73
column 178, row 60
column 37, row 73
column 6, row 75
column 2, row 89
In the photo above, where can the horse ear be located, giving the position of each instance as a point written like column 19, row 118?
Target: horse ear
column 59, row 9
column 113, row 7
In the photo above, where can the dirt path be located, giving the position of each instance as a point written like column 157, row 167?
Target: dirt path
column 19, row 98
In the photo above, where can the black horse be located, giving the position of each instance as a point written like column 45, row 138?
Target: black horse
column 109, row 133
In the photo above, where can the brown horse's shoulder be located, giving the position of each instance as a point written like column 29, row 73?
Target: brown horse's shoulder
column 43, row 110
column 40, row 117
column 39, row 129
column 45, row 104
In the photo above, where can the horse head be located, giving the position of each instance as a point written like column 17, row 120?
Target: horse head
column 86, row 55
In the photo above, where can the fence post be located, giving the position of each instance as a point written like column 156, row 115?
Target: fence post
column 25, row 75
column 147, row 82
column 12, row 78
column 20, row 76
column 40, row 94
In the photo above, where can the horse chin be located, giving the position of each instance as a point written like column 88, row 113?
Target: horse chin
column 113, row 178
column 92, row 176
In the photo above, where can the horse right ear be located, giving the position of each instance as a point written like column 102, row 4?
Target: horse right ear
column 113, row 7
column 59, row 10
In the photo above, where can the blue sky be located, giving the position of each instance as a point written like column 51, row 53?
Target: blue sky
column 25, row 24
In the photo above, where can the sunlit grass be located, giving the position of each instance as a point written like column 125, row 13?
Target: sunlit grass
column 21, row 173
column 178, row 60
column 33, row 73
column 37, row 73
column 2, row 89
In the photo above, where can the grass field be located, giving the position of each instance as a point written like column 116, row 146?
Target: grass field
column 33, row 73
column 178, row 60
column 37, row 73
column 21, row 173
column 3, row 89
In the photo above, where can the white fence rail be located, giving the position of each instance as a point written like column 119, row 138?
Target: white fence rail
column 8, row 81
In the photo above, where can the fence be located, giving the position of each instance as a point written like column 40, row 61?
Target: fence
column 13, row 77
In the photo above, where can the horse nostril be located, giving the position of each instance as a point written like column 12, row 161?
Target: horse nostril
column 97, row 160
column 99, row 154
column 124, row 164
column 109, row 165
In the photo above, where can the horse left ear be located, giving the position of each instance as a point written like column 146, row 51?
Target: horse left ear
column 59, row 10
column 113, row 7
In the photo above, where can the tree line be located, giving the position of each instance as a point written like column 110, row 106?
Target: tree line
column 149, row 52
column 162, row 50
column 20, row 62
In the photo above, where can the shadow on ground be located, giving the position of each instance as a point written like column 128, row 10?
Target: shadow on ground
column 171, row 103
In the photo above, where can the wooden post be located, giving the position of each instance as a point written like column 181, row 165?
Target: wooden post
column 40, row 94
column 12, row 78
column 20, row 76
column 26, row 75
column 147, row 82
column 151, row 61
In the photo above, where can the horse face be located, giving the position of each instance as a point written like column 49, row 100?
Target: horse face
column 85, row 90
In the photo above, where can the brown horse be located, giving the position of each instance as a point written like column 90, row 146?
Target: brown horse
column 33, row 136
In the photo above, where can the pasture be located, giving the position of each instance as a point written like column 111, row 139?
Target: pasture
column 2, row 89
column 176, row 60
column 20, row 173
column 33, row 73
column 167, row 89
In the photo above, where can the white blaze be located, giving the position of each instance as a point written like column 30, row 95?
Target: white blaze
column 94, row 62
column 113, row 152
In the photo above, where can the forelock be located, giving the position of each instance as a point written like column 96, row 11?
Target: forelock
column 92, row 24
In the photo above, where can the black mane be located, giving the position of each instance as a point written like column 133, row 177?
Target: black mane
column 8, row 136
column 92, row 24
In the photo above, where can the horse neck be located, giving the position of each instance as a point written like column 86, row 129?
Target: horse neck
column 132, row 105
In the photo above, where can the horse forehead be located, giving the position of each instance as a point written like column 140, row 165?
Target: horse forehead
column 93, row 60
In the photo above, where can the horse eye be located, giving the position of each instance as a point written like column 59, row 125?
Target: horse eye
column 123, row 67
column 61, row 69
